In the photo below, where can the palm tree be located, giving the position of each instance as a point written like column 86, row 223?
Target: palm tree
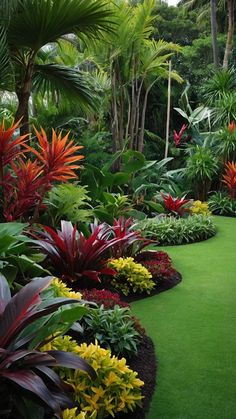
column 214, row 33
column 230, row 33
column 203, row 7
column 27, row 26
column 135, row 62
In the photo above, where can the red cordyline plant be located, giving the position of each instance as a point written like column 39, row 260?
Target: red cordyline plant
column 178, row 136
column 75, row 257
column 25, row 372
column 229, row 178
column 24, row 181
column 122, row 229
column 72, row 255
column 175, row 205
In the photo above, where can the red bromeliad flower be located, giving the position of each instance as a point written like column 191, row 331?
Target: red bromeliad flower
column 175, row 205
column 229, row 178
column 74, row 256
column 10, row 148
column 24, row 183
column 178, row 136
column 57, row 157
column 132, row 241
column 231, row 127
column 23, row 188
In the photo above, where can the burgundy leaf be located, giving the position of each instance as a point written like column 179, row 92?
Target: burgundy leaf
column 30, row 381
column 69, row 360
column 20, row 307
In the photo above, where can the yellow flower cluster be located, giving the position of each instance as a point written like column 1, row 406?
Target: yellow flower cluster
column 131, row 276
column 61, row 290
column 116, row 387
column 72, row 414
column 200, row 207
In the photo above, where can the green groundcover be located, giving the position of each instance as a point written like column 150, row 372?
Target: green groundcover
column 193, row 327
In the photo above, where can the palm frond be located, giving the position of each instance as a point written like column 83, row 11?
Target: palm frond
column 39, row 22
column 64, row 81
column 5, row 64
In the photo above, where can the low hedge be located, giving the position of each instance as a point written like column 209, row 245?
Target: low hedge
column 174, row 231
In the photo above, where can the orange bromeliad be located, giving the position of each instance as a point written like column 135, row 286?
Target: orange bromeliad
column 10, row 147
column 24, row 183
column 58, row 156
column 231, row 127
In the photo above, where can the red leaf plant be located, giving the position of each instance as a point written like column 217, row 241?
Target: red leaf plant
column 178, row 136
column 24, row 182
column 73, row 256
column 231, row 127
column 132, row 241
column 104, row 297
column 158, row 263
column 24, row 370
column 57, row 157
column 229, row 178
column 175, row 205
column 10, row 147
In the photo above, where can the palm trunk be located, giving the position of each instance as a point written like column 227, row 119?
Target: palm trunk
column 23, row 90
column 230, row 35
column 214, row 33
column 143, row 117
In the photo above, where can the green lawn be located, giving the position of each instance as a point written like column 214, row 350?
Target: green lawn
column 193, row 327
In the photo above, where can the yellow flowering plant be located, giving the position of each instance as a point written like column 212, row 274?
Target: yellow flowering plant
column 199, row 207
column 116, row 388
column 66, row 317
column 131, row 276
column 73, row 414
column 60, row 289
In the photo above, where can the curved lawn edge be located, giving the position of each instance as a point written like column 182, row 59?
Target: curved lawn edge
column 193, row 329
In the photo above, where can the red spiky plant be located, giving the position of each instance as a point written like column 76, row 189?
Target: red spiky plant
column 24, row 181
column 229, row 178
column 176, row 206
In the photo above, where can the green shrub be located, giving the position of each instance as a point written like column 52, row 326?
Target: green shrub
column 131, row 276
column 116, row 387
column 68, row 201
column 114, row 329
column 221, row 204
column 172, row 231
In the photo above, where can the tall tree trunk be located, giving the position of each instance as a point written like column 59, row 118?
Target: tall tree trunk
column 23, row 90
column 230, row 34
column 214, row 33
column 168, row 112
column 114, row 114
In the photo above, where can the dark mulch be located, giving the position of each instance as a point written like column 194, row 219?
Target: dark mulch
column 145, row 364
column 163, row 285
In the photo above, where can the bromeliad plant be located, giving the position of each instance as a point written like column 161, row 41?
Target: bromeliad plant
column 26, row 377
column 75, row 257
column 229, row 178
column 24, row 181
column 129, row 241
column 175, row 206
